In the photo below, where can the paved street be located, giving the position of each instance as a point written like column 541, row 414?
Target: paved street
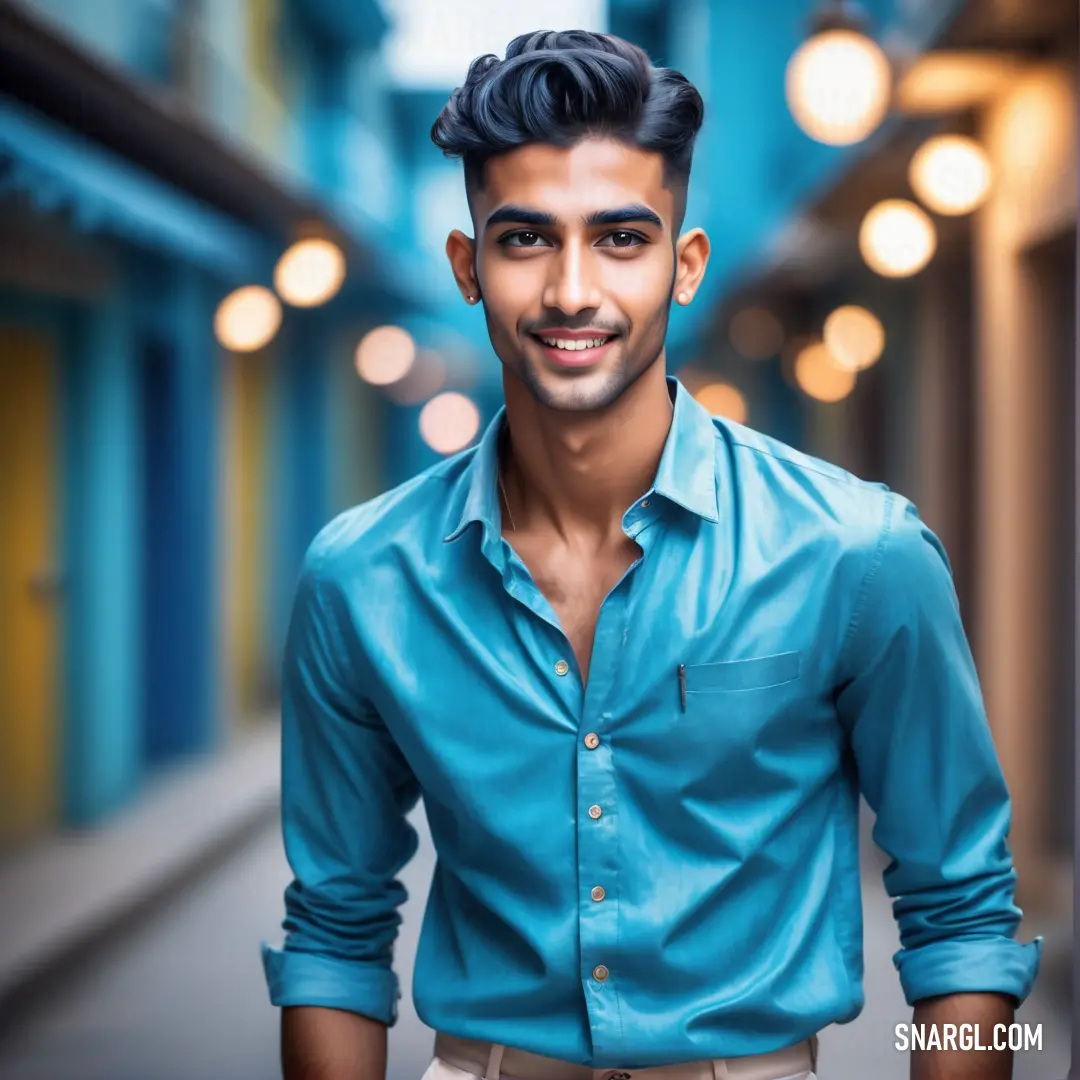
column 182, row 996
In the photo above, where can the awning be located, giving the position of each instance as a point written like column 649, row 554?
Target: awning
column 61, row 171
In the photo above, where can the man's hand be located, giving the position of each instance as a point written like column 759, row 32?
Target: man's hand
column 986, row 1010
column 329, row 1044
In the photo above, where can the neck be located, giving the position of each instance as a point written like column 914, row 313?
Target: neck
column 578, row 472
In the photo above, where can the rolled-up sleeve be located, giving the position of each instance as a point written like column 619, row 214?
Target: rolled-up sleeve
column 346, row 791
column 910, row 698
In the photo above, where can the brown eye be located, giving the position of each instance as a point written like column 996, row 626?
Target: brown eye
column 623, row 239
column 522, row 238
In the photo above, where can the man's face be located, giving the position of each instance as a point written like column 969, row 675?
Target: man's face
column 575, row 262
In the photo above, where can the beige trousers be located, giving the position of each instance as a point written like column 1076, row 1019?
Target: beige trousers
column 443, row 1070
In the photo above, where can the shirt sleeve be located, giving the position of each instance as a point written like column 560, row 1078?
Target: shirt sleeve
column 927, row 765
column 346, row 790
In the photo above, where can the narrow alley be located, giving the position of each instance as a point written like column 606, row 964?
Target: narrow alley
column 182, row 997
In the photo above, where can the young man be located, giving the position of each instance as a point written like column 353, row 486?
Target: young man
column 638, row 662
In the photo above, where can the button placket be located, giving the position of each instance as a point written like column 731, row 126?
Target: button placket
column 597, row 838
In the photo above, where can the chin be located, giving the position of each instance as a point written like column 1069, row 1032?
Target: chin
column 580, row 392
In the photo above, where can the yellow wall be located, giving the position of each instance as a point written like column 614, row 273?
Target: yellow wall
column 245, row 514
column 29, row 616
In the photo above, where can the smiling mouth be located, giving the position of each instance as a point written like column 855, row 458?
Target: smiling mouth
column 572, row 345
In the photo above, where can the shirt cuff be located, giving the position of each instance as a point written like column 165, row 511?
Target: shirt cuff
column 969, row 965
column 299, row 978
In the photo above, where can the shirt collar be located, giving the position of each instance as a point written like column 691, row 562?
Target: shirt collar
column 687, row 471
column 480, row 481
column 686, row 474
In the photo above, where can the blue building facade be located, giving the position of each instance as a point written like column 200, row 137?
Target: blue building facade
column 155, row 156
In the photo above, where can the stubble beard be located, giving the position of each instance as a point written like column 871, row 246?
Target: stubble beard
column 588, row 392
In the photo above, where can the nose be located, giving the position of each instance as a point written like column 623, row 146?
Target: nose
column 573, row 285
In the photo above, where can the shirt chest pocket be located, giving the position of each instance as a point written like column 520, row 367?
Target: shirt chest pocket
column 741, row 676
column 738, row 707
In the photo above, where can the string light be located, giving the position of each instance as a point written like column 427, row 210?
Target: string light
column 723, row 399
column 385, row 355
column 247, row 319
column 449, row 422
column 838, row 85
column 310, row 273
column 854, row 337
column 950, row 174
column 897, row 238
column 820, row 376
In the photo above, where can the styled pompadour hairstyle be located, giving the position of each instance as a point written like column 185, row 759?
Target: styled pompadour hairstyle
column 558, row 87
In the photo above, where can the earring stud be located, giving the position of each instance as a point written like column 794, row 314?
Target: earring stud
column 684, row 298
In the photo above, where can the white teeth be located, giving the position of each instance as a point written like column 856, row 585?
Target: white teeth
column 574, row 346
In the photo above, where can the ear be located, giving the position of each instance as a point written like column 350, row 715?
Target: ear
column 691, row 258
column 460, row 250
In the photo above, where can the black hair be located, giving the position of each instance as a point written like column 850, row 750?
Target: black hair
column 558, row 87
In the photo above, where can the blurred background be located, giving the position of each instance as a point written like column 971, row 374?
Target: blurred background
column 225, row 316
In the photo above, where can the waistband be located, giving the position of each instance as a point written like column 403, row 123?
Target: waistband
column 493, row 1061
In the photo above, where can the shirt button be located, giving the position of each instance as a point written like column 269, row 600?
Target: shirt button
column 592, row 740
column 598, row 893
column 600, row 973
column 644, row 503
column 595, row 812
column 562, row 667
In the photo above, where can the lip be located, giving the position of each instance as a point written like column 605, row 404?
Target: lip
column 577, row 358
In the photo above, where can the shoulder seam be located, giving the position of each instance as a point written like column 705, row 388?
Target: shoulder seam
column 316, row 555
column 840, row 475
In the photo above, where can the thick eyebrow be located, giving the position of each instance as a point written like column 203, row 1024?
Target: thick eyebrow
column 623, row 215
column 521, row 215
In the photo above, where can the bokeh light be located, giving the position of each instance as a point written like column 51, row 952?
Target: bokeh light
column 310, row 273
column 247, row 319
column 756, row 333
column 820, row 376
column 723, row 399
column 897, row 238
column 385, row 355
column 838, row 86
column 425, row 378
column 692, row 377
column 793, row 345
column 854, row 337
column 952, row 81
column 449, row 422
column 950, row 174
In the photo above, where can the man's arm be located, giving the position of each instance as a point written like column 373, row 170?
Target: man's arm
column 910, row 699
column 328, row 1044
column 346, row 790
column 986, row 1010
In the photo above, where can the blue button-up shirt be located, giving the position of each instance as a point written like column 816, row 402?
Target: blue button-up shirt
column 789, row 637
